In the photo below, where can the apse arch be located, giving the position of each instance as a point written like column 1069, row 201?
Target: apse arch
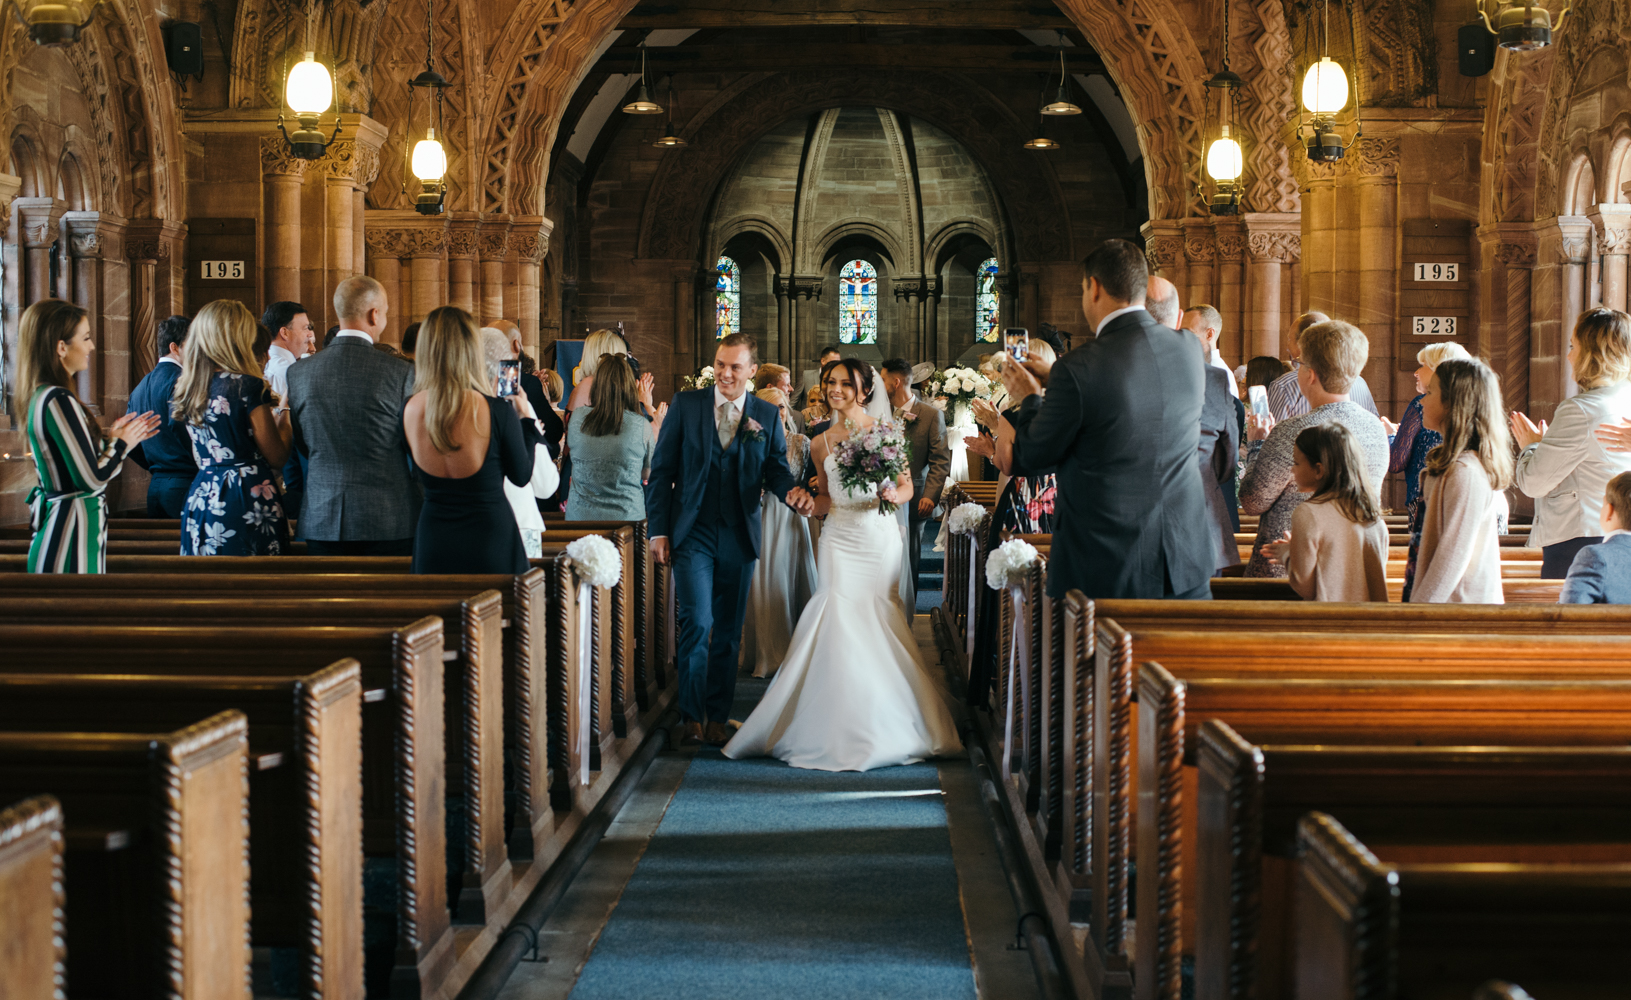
column 1580, row 186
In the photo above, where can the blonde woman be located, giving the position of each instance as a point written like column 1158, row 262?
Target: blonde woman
column 74, row 458
column 1412, row 441
column 599, row 343
column 235, row 507
column 785, row 575
column 1564, row 465
column 465, row 442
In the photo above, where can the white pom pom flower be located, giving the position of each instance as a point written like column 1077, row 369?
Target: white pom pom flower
column 1008, row 562
column 597, row 560
column 965, row 518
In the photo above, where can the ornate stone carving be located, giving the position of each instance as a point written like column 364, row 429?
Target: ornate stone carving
column 401, row 243
column 1574, row 249
column 1231, row 249
column 347, row 159
column 461, row 241
column 1200, row 250
column 807, row 287
column 276, row 158
column 1163, row 252
column 1516, row 255
column 147, row 249
column 532, row 247
column 495, row 245
column 1375, row 157
column 914, row 288
column 1281, row 247
column 89, row 244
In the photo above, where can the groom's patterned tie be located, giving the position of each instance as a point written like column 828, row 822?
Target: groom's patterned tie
column 727, row 424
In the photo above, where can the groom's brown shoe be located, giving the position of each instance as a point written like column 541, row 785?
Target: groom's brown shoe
column 692, row 737
column 719, row 734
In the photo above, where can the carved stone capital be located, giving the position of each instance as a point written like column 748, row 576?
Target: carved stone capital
column 912, row 288
column 461, row 240
column 1163, row 252
column 530, row 237
column 10, row 184
column 1283, row 248
column 1200, row 249
column 1516, row 254
column 1613, row 228
column 89, row 236
column 1375, row 157
column 805, row 286
column 402, row 243
column 38, row 218
column 1231, row 248
column 349, row 160
column 277, row 160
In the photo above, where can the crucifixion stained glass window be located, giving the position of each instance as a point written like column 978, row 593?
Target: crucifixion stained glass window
column 858, row 303
column 727, row 299
column 987, row 314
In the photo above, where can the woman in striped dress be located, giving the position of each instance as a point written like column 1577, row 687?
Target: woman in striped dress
column 75, row 459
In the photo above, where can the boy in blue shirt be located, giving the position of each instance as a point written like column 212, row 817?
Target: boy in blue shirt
column 1601, row 573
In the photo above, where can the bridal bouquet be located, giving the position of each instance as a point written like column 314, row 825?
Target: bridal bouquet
column 871, row 458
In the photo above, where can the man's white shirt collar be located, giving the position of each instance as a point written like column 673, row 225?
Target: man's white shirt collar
column 173, row 361
column 736, row 404
column 1616, row 531
column 1106, row 321
column 354, row 333
column 284, row 354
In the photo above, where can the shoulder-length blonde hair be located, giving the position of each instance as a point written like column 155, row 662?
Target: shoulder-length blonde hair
column 600, row 343
column 448, row 365
column 45, row 324
column 222, row 337
column 1604, row 336
column 1474, row 420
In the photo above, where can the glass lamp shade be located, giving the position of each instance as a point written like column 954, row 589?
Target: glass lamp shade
column 1325, row 87
column 429, row 159
column 1224, row 160
column 1041, row 142
column 642, row 104
column 1061, row 105
column 1523, row 29
column 670, row 140
column 310, row 89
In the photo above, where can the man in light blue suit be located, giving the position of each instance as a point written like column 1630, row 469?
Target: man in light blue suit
column 719, row 450
column 1601, row 573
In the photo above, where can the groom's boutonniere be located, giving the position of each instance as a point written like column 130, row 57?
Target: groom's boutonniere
column 910, row 416
column 752, row 430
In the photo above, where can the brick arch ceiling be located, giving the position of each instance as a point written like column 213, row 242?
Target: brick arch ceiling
column 682, row 190
column 546, row 48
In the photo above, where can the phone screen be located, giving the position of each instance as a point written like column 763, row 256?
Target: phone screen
column 509, row 378
column 1260, row 401
column 1016, row 340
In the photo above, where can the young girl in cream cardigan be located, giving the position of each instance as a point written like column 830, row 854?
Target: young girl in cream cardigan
column 1337, row 547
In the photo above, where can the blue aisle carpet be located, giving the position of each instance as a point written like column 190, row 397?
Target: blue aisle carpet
column 767, row 882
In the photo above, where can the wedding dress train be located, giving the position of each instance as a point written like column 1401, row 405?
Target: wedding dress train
column 852, row 693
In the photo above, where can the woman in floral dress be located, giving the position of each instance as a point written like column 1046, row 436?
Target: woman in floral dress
column 235, row 507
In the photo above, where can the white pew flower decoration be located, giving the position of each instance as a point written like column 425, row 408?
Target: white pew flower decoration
column 1008, row 562
column 965, row 518
column 597, row 561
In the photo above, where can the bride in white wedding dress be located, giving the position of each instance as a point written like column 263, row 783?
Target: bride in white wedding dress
column 852, row 693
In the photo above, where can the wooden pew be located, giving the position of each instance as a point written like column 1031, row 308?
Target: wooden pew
column 156, row 873
column 1458, row 803
column 403, row 753
column 305, row 789
column 31, row 917
column 1439, row 930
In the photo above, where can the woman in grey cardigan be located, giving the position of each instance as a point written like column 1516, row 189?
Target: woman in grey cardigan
column 1563, row 465
column 610, row 441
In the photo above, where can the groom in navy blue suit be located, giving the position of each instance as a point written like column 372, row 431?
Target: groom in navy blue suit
column 718, row 451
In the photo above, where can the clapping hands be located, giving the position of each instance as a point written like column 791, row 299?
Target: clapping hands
column 1257, row 428
column 1276, row 552
column 134, row 428
column 1525, row 431
column 1615, row 436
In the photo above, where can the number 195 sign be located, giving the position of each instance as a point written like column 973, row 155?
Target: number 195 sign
column 218, row 270
column 1432, row 326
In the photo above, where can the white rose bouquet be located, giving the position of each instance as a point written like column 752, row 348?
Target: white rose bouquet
column 705, row 380
column 965, row 518
column 961, row 386
column 1008, row 562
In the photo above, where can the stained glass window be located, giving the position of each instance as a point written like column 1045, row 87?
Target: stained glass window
column 727, row 299
column 858, row 303
column 987, row 314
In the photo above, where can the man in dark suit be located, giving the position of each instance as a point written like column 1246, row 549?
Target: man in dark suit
column 346, row 403
column 719, row 451
column 1120, row 428
column 925, row 430
column 168, row 455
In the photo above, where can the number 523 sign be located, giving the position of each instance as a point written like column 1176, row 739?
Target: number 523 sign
column 1432, row 326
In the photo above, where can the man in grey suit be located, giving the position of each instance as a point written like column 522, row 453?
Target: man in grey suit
column 1120, row 428
column 346, row 405
column 925, row 428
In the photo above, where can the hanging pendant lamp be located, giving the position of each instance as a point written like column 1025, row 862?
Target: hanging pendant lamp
column 54, row 22
column 670, row 138
column 1224, row 158
column 642, row 103
column 308, row 92
column 428, row 160
column 1062, row 104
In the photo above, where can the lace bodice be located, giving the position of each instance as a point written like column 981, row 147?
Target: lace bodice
column 848, row 500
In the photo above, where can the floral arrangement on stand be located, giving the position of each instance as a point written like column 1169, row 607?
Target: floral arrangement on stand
column 1008, row 562
column 705, row 380
column 871, row 458
column 965, row 518
column 596, row 560
column 954, row 389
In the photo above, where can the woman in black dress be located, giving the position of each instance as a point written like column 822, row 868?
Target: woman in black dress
column 465, row 443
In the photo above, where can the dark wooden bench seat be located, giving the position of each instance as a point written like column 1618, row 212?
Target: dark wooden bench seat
column 1437, row 931
column 31, row 917
column 305, row 789
column 404, row 752
column 1425, row 803
column 156, row 866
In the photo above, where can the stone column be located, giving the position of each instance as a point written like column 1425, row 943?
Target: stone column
column 692, row 338
column 281, row 177
column 144, row 254
column 807, row 288
column 1164, row 249
column 426, row 248
column 384, row 265
column 1613, row 226
column 1559, row 296
column 39, row 220
column 1376, row 166
column 1518, row 258
column 495, row 249
column 530, row 243
column 461, row 263
column 1231, row 279
column 939, row 342
column 784, row 315
column 1319, row 222
column 1200, row 252
column 111, row 361
column 1273, row 241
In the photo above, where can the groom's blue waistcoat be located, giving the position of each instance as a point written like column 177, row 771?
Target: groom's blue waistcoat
column 693, row 480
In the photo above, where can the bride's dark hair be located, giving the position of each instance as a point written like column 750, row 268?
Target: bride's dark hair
column 860, row 373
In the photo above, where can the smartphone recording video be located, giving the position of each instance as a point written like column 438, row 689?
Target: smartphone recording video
column 509, row 378
column 1260, row 401
column 1016, row 342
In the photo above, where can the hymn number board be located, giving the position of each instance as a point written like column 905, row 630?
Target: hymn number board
column 221, row 262
column 1435, row 295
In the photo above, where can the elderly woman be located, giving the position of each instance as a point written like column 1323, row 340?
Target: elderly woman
column 610, row 440
column 497, row 347
column 1565, row 465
